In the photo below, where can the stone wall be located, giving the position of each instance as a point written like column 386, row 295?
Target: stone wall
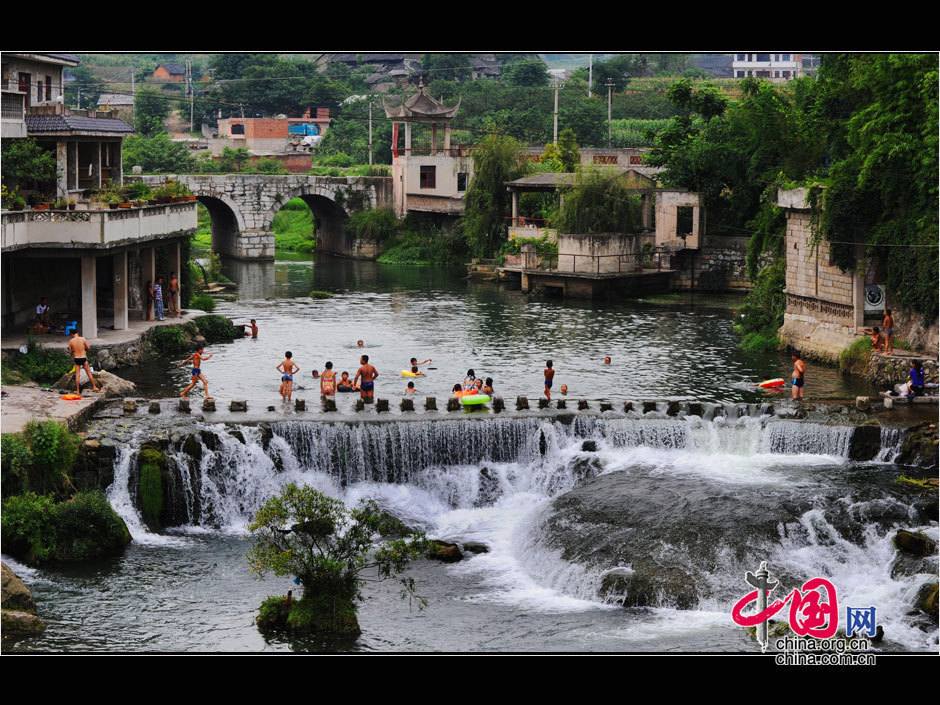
column 720, row 265
column 887, row 370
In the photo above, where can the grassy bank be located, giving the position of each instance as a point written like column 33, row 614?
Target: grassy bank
column 293, row 228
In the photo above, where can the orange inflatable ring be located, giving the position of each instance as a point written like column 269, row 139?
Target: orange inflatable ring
column 70, row 397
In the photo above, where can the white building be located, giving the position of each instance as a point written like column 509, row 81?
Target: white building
column 771, row 66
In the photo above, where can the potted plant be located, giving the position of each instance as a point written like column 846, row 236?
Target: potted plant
column 72, row 204
column 60, row 204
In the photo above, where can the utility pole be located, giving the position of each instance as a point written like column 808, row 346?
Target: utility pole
column 192, row 94
column 555, row 116
column 78, row 105
column 370, row 130
column 590, row 73
column 133, row 85
column 610, row 88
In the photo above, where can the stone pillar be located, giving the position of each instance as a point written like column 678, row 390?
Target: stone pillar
column 694, row 237
column 120, row 290
column 75, row 163
column 447, row 138
column 89, row 327
column 433, row 138
column 179, row 279
column 61, row 169
column 99, row 164
column 407, row 139
column 858, row 290
column 515, row 208
column 647, row 211
column 118, row 164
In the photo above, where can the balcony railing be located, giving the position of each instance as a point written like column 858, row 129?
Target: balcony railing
column 94, row 228
column 596, row 265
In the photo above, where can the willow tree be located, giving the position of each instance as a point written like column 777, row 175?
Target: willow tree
column 599, row 202
column 331, row 551
column 496, row 160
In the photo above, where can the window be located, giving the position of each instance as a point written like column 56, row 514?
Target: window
column 461, row 181
column 238, row 129
column 785, row 57
column 762, row 74
column 739, row 74
column 786, row 74
column 763, row 57
column 636, row 159
column 742, row 57
column 684, row 220
column 428, row 176
column 48, row 87
column 605, row 159
column 39, row 90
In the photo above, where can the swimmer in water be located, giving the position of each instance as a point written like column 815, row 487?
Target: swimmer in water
column 360, row 344
column 607, row 359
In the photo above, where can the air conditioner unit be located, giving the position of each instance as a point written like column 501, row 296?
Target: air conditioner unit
column 874, row 299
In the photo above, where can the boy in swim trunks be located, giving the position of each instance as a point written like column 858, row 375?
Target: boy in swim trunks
column 549, row 376
column 287, row 369
column 888, row 324
column 345, row 384
column 410, row 389
column 78, row 349
column 799, row 369
column 197, row 376
column 368, row 374
column 328, row 382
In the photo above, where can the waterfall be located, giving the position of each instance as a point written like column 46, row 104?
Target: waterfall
column 891, row 439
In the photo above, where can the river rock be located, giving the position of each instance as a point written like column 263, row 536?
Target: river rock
column 111, row 385
column 920, row 448
column 561, row 404
column 381, row 405
column 19, row 624
column 444, row 551
column 649, row 406
column 522, row 403
column 238, row 405
column 583, row 404
column 543, row 403
column 865, row 443
column 14, row 595
column 105, row 360
column 589, row 446
column 914, row 543
column 154, row 407
column 475, row 547
column 927, row 600
column 672, row 408
column 639, row 519
column 130, row 407
column 453, row 404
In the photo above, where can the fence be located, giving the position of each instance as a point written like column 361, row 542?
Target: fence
column 596, row 264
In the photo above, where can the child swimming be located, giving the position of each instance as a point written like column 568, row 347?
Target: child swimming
column 287, row 369
column 410, row 389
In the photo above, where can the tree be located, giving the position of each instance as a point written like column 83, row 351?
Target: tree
column 150, row 110
column 233, row 159
column 25, row 162
column 447, row 66
column 156, row 155
column 85, row 90
column 599, row 202
column 496, row 160
column 526, row 72
column 330, row 550
column 568, row 151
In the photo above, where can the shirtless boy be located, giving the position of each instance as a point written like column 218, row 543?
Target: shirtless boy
column 197, row 376
column 288, row 368
column 78, row 349
column 368, row 375
column 799, row 369
column 549, row 376
column 415, row 363
column 888, row 324
column 174, row 288
column 328, row 382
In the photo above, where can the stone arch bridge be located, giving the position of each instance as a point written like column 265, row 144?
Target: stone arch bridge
column 243, row 206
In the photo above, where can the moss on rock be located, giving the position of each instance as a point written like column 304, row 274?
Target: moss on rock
column 150, row 487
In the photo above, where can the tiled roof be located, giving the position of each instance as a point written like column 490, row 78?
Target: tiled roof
column 174, row 69
column 74, row 123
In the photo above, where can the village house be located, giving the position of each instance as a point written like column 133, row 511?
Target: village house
column 173, row 73
column 289, row 140
column 120, row 104
column 91, row 263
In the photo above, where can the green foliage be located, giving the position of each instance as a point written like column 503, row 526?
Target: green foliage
column 28, row 527
column 599, row 202
column 202, row 302
column 37, row 530
column 447, row 66
column 87, row 528
column 53, row 449
column 545, row 248
column 156, row 154
column 86, row 87
column 25, row 163
column 496, row 160
column 526, row 72
column 422, row 243
column 377, row 224
column 762, row 313
column 15, row 462
column 293, row 227
column 39, row 364
column 335, row 159
column 636, row 132
column 170, row 340
column 568, row 152
column 854, row 359
column 150, row 110
column 217, row 329
column 272, row 615
column 150, row 486
column 304, row 533
column 268, row 166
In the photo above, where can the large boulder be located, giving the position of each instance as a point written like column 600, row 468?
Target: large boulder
column 444, row 551
column 16, row 623
column 920, row 447
column 15, row 594
column 111, row 385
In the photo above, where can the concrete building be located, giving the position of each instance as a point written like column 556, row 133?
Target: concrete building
column 174, row 73
column 278, row 137
column 429, row 175
column 771, row 66
column 624, row 158
column 120, row 104
column 29, row 80
column 91, row 264
column 825, row 306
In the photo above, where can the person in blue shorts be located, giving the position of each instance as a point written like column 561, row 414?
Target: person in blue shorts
column 799, row 370
column 197, row 359
column 549, row 376
column 287, row 369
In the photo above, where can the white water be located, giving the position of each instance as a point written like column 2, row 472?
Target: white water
column 429, row 475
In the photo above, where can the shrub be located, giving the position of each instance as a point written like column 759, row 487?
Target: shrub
column 87, row 528
column 170, row 340
column 760, row 342
column 339, row 159
column 272, row 615
column 202, row 302
column 761, row 316
column 15, row 461
column 599, row 202
column 378, row 224
column 41, row 364
column 28, row 527
column 53, row 449
column 854, row 359
column 268, row 166
column 217, row 329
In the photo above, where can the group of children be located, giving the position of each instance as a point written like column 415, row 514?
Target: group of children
column 882, row 339
column 159, row 299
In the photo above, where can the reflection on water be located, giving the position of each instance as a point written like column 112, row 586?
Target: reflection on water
column 683, row 351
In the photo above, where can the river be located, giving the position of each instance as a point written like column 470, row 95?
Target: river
column 752, row 488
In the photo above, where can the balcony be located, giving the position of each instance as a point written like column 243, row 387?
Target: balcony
column 14, row 115
column 95, row 229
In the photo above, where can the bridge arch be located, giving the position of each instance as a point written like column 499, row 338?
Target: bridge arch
column 329, row 208
column 227, row 222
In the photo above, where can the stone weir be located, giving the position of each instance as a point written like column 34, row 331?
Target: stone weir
column 215, row 469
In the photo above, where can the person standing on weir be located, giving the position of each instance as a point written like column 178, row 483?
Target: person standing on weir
column 368, row 374
column 78, row 349
column 799, row 370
